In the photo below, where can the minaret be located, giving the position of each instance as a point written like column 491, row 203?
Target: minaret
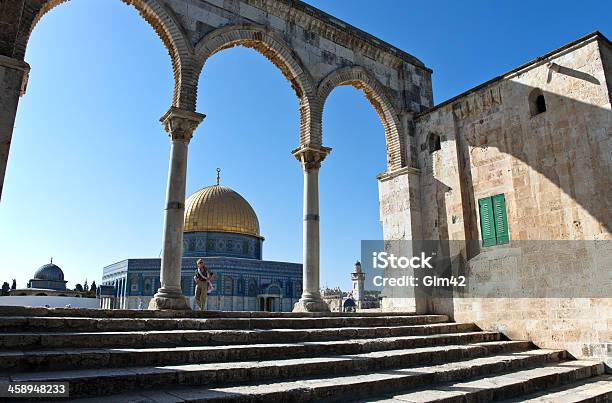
column 358, row 278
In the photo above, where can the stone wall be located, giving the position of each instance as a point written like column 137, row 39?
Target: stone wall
column 554, row 169
column 50, row 301
column 400, row 216
column 226, row 303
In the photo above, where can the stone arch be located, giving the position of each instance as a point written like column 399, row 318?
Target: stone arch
column 279, row 53
column 375, row 92
column 273, row 289
column 252, row 291
column 434, row 142
column 537, row 102
column 228, row 285
column 161, row 19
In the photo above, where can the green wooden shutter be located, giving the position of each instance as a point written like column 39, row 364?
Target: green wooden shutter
column 501, row 219
column 487, row 224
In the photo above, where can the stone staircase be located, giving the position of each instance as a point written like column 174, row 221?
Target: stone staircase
column 141, row 356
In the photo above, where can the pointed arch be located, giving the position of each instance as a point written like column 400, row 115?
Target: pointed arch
column 375, row 92
column 161, row 19
column 279, row 53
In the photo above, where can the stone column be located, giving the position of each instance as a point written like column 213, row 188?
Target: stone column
column 180, row 125
column 122, row 293
column 119, row 294
column 311, row 158
column 125, row 293
column 13, row 79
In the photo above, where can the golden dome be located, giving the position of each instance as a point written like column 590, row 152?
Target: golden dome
column 220, row 209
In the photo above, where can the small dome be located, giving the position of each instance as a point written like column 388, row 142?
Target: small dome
column 49, row 272
column 218, row 208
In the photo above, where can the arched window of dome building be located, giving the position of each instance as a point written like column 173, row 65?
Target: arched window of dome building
column 252, row 288
column 228, row 285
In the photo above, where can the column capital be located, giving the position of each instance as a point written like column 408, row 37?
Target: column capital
column 311, row 156
column 19, row 65
column 180, row 124
column 385, row 176
column 15, row 64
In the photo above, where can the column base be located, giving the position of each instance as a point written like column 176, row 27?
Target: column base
column 310, row 306
column 177, row 302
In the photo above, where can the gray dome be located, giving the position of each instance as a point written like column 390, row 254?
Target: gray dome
column 49, row 272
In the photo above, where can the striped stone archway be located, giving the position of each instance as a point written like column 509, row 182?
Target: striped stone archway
column 361, row 79
column 159, row 18
column 280, row 54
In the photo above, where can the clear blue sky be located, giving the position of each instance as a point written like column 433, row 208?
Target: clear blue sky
column 87, row 171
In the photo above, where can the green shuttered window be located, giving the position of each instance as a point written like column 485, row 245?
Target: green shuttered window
column 493, row 220
column 486, row 222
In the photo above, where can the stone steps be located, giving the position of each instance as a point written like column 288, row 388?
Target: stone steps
column 82, row 324
column 354, row 387
column 116, row 380
column 597, row 389
column 81, row 358
column 132, row 313
column 257, row 357
column 174, row 338
column 500, row 387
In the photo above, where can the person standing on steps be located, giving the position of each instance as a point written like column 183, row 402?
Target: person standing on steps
column 202, row 279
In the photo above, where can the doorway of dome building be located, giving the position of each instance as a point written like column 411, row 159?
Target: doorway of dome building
column 270, row 299
column 269, row 303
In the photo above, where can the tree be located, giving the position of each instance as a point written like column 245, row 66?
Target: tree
column 85, row 286
column 5, row 288
column 14, row 286
column 93, row 289
column 78, row 288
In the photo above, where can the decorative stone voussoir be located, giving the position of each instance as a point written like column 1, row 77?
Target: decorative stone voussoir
column 181, row 124
column 381, row 100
